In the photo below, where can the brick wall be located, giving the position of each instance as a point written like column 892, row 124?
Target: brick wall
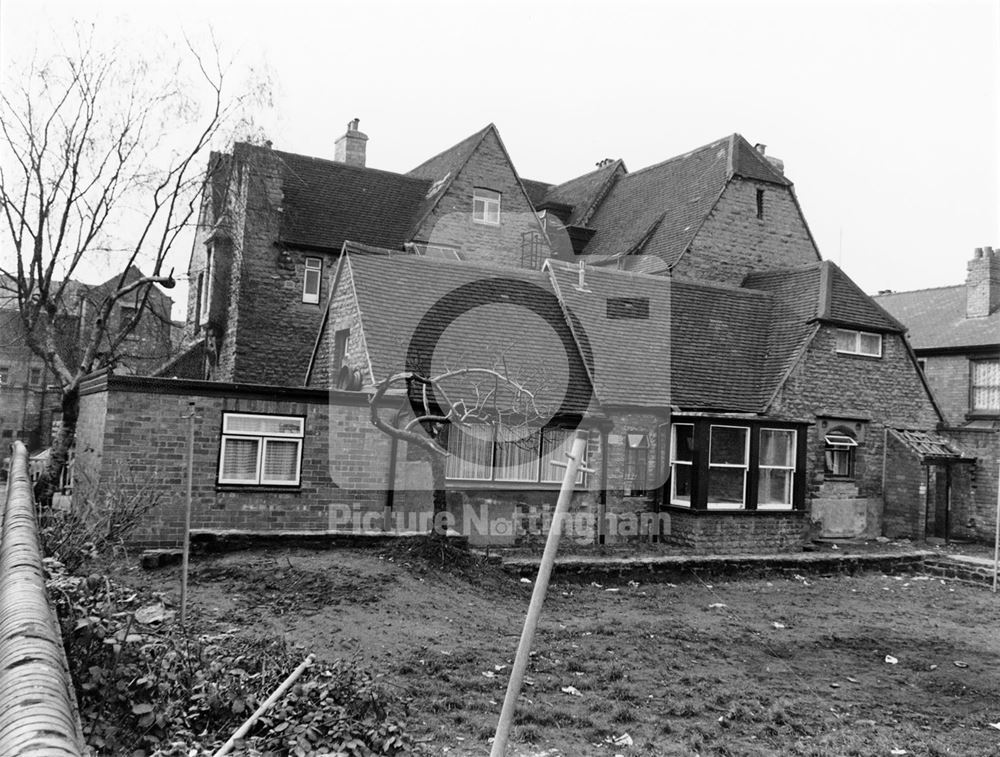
column 132, row 433
column 974, row 487
column 905, row 508
column 733, row 241
column 451, row 222
column 343, row 315
column 948, row 376
column 737, row 533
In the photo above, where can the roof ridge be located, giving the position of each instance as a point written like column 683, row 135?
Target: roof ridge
column 432, row 262
column 348, row 166
column 916, row 291
column 760, row 158
column 675, row 157
column 474, row 134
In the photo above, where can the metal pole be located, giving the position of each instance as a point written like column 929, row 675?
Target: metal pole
column 537, row 598
column 996, row 541
column 187, row 515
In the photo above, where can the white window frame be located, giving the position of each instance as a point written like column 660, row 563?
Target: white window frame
column 857, row 350
column 744, row 467
column 983, row 387
column 838, row 442
column 790, row 468
column 543, row 470
column 636, row 461
column 312, row 273
column 486, row 206
column 262, row 440
column 674, row 462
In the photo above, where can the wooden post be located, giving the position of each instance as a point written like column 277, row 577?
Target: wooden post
column 996, row 540
column 187, row 514
column 537, row 598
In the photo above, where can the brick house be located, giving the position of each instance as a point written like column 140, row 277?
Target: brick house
column 739, row 385
column 955, row 333
column 30, row 393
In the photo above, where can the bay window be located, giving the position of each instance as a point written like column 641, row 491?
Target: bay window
column 729, row 448
column 776, row 462
column 681, row 463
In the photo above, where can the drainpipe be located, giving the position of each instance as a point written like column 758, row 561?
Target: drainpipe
column 602, row 500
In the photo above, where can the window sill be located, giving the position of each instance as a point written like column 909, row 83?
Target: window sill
column 258, row 488
column 859, row 355
column 509, row 485
column 735, row 512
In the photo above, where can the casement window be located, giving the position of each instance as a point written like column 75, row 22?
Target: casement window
column 681, row 462
column 340, row 339
column 636, row 463
column 125, row 315
column 776, row 469
column 4, row 375
column 852, row 342
column 261, row 450
column 205, row 286
column 483, row 452
column 728, row 455
column 839, row 453
column 486, row 206
column 35, row 376
column 311, row 280
column 985, row 386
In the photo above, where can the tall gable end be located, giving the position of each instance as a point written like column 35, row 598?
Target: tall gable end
column 514, row 238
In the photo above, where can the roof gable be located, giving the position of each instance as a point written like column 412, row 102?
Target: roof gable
column 844, row 303
column 584, row 192
column 434, row 294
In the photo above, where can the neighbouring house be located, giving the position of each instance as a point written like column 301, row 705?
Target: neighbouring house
column 955, row 333
column 741, row 392
column 30, row 393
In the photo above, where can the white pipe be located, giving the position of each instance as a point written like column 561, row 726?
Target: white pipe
column 278, row 693
column 537, row 598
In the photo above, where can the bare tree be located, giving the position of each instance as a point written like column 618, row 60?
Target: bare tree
column 452, row 400
column 101, row 164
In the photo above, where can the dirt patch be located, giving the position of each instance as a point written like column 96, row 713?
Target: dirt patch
column 786, row 666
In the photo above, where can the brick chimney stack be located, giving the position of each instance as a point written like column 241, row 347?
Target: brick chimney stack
column 982, row 285
column 350, row 148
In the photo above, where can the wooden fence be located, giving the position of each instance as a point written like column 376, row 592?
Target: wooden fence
column 37, row 714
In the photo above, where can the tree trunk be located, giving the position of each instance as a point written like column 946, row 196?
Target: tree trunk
column 48, row 482
column 439, row 525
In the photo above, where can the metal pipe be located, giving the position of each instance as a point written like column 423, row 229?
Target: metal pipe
column 996, row 540
column 537, row 598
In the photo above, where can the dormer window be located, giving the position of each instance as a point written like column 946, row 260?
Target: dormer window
column 852, row 342
column 486, row 206
column 311, row 280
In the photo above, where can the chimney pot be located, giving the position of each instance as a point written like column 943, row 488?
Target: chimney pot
column 977, row 253
column 761, row 148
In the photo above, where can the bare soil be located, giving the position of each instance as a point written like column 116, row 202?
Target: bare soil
column 780, row 666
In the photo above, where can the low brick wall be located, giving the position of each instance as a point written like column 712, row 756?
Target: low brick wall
column 728, row 533
column 959, row 570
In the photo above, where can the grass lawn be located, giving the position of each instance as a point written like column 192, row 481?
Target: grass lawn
column 780, row 666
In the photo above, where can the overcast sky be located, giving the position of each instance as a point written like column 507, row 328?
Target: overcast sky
column 885, row 113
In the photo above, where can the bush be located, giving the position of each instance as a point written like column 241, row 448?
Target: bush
column 99, row 521
column 155, row 689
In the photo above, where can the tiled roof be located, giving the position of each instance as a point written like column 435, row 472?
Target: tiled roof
column 327, row 202
column 795, row 296
column 631, row 354
column 701, row 346
column 584, row 191
column 936, row 318
column 673, row 197
column 846, row 304
column 929, row 446
column 536, row 190
column 500, row 330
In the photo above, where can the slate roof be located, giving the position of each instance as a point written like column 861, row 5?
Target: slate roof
column 675, row 196
column 536, row 190
column 936, row 318
column 327, row 203
column 500, row 330
column 583, row 192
